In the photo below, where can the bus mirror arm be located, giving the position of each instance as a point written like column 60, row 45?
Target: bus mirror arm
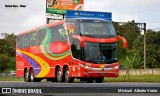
column 80, row 39
column 124, row 41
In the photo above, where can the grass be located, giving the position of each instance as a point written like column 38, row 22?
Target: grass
column 134, row 78
column 121, row 78
column 11, row 79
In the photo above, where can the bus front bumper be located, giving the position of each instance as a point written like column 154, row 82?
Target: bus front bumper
column 100, row 72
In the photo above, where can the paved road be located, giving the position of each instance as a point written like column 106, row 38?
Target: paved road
column 52, row 84
column 87, row 89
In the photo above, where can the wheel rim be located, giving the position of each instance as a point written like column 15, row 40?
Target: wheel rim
column 67, row 76
column 32, row 77
column 59, row 77
column 26, row 76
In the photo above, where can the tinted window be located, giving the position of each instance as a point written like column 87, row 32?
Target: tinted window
column 58, row 33
column 27, row 40
column 34, row 38
column 20, row 41
column 41, row 36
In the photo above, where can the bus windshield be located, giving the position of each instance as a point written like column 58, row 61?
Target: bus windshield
column 100, row 53
column 97, row 29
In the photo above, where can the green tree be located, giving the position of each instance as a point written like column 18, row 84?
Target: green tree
column 4, row 59
column 7, row 51
column 152, row 48
column 3, row 46
column 8, row 44
column 128, row 30
column 11, row 44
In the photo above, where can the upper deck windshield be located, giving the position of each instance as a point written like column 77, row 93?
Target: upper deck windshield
column 94, row 28
column 99, row 29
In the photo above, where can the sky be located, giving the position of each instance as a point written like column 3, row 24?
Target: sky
column 19, row 19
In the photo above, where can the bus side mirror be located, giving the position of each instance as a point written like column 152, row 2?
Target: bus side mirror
column 124, row 41
column 80, row 39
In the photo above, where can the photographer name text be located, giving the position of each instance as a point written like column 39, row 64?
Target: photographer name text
column 15, row 6
column 137, row 90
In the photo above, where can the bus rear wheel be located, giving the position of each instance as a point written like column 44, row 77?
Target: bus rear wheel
column 99, row 80
column 32, row 78
column 68, row 79
column 26, row 76
column 59, row 75
column 90, row 80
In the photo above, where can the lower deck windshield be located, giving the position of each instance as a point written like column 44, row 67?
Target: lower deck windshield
column 100, row 53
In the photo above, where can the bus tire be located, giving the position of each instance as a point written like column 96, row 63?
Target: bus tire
column 68, row 79
column 59, row 75
column 26, row 76
column 90, row 80
column 99, row 80
column 32, row 77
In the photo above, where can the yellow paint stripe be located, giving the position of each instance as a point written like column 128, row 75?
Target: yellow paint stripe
column 45, row 66
column 102, row 66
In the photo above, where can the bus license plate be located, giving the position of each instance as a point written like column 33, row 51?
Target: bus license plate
column 102, row 74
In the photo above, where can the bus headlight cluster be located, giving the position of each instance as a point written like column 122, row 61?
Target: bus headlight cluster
column 85, row 66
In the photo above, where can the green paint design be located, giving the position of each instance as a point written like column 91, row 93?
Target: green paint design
column 45, row 44
column 33, row 38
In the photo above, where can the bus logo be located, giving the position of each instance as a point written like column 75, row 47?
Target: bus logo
column 76, row 13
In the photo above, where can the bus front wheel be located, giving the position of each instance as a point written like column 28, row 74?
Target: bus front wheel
column 99, row 80
column 90, row 80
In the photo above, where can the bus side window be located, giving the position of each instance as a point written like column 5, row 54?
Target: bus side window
column 20, row 43
column 74, row 28
column 34, row 38
column 58, row 34
column 17, row 42
column 62, row 33
column 53, row 32
column 41, row 36
column 26, row 40
column 76, row 49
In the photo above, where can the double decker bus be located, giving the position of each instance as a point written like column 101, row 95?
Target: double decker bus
column 82, row 46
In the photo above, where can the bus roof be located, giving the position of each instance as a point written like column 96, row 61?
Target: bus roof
column 47, row 25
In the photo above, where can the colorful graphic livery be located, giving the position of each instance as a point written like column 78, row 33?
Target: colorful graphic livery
column 82, row 48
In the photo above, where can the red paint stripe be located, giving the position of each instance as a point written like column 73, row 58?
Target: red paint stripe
column 108, row 40
column 98, row 40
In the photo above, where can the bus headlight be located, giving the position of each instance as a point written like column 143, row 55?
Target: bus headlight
column 116, row 67
column 85, row 66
